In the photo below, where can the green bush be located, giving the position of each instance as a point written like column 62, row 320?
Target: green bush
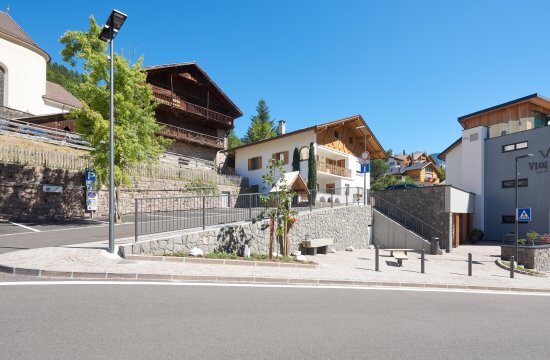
column 221, row 255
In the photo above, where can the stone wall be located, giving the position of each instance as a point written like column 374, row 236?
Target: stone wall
column 188, row 149
column 531, row 257
column 426, row 204
column 22, row 196
column 347, row 226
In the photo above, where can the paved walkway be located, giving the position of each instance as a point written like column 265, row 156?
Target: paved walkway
column 344, row 268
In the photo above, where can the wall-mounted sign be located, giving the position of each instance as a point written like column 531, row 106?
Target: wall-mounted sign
column 91, row 194
column 52, row 188
column 523, row 214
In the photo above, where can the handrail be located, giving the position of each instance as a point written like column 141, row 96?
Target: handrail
column 186, row 134
column 167, row 97
column 332, row 169
column 411, row 222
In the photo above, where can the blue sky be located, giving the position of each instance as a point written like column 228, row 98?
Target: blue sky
column 409, row 67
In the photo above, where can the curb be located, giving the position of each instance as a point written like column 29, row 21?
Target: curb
column 519, row 271
column 79, row 275
column 202, row 260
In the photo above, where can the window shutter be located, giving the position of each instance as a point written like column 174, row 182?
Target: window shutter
column 249, row 164
column 274, row 156
column 260, row 162
column 286, row 158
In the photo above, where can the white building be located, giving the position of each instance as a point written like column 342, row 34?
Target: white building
column 337, row 145
column 23, row 85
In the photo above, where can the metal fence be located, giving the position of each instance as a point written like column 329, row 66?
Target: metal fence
column 157, row 215
column 530, row 239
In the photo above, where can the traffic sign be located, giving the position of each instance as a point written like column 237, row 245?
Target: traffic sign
column 523, row 214
column 89, row 175
column 365, row 155
column 365, row 168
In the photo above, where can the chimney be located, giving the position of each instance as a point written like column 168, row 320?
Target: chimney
column 281, row 129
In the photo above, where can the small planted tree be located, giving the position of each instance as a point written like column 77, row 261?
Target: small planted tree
column 312, row 173
column 277, row 204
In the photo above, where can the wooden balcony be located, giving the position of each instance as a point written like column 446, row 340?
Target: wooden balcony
column 174, row 132
column 333, row 169
column 167, row 97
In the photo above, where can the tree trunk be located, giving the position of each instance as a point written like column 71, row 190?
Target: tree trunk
column 118, row 217
column 285, row 238
column 271, row 230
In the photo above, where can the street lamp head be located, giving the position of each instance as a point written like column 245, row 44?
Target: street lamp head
column 115, row 20
column 524, row 156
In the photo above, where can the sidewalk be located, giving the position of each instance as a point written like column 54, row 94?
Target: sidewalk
column 91, row 261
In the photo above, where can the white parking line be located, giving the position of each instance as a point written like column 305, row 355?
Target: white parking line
column 64, row 229
column 24, row 227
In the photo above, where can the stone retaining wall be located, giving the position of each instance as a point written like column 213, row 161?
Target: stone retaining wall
column 531, row 257
column 347, row 226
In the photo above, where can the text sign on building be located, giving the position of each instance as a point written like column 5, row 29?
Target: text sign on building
column 523, row 214
column 52, row 188
column 91, row 194
column 365, row 168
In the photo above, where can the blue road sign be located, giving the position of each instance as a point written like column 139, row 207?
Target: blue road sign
column 365, row 168
column 523, row 214
column 89, row 175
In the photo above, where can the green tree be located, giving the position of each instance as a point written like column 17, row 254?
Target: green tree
column 312, row 172
column 60, row 74
column 296, row 160
column 378, row 167
column 443, row 173
column 385, row 181
column 232, row 140
column 135, row 124
column 261, row 126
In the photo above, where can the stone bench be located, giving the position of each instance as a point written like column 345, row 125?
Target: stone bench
column 314, row 244
column 399, row 256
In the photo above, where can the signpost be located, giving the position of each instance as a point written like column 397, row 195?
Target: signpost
column 523, row 214
column 91, row 193
column 365, row 169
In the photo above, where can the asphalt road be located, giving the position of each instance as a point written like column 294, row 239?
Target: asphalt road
column 192, row 322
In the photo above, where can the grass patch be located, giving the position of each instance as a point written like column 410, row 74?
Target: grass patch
column 221, row 255
column 522, row 268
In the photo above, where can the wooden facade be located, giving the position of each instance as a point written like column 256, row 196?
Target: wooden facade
column 526, row 107
column 190, row 105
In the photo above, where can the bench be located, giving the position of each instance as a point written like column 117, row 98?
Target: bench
column 399, row 256
column 314, row 244
column 400, row 250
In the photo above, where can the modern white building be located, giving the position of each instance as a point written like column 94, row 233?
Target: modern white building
column 24, row 89
column 482, row 161
column 337, row 147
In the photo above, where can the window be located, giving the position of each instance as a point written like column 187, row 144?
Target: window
column 508, row 219
column 516, row 146
column 282, row 156
column 474, row 137
column 255, row 163
column 255, row 189
column 304, row 153
column 506, row 184
column 2, row 85
column 336, row 134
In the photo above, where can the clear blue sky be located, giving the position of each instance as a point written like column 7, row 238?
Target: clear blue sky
column 409, row 67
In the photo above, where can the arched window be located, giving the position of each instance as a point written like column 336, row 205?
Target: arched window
column 304, row 153
column 2, row 85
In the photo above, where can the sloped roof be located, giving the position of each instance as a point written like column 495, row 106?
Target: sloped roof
column 444, row 153
column 195, row 65
column 292, row 180
column 416, row 166
column 12, row 31
column 59, row 94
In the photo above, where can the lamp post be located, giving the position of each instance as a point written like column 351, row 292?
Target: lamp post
column 516, row 211
column 108, row 33
column 364, row 173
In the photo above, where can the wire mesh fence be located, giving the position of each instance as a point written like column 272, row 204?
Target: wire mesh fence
column 158, row 215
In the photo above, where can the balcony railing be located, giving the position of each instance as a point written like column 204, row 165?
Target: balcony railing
column 332, row 169
column 178, row 133
column 166, row 97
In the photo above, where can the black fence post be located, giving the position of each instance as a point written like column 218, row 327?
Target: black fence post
column 469, row 264
column 250, row 206
column 203, row 212
column 512, row 260
column 422, row 261
column 136, row 222
column 376, row 258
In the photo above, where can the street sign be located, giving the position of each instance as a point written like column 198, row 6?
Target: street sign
column 52, row 188
column 365, row 155
column 523, row 214
column 89, row 175
column 365, row 168
column 91, row 194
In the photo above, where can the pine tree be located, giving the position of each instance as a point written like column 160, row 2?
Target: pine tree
column 261, row 126
column 63, row 76
column 296, row 160
column 232, row 140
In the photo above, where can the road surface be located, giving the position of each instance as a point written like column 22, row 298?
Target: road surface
column 133, row 321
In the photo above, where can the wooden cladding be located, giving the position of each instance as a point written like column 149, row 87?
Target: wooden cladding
column 255, row 163
column 504, row 115
column 282, row 156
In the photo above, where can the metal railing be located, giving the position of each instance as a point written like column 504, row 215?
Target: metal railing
column 404, row 218
column 39, row 132
column 332, row 169
column 158, row 215
column 167, row 97
column 526, row 241
column 179, row 133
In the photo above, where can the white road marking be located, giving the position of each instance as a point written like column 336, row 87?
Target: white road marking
column 64, row 229
column 24, row 227
column 462, row 291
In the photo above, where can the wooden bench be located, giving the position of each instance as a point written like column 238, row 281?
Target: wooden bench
column 399, row 256
column 400, row 250
column 311, row 246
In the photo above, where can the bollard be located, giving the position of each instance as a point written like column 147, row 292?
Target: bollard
column 511, row 267
column 422, row 259
column 376, row 259
column 469, row 264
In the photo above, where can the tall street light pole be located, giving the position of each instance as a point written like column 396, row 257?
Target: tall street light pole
column 108, row 33
column 516, row 211
column 364, row 173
